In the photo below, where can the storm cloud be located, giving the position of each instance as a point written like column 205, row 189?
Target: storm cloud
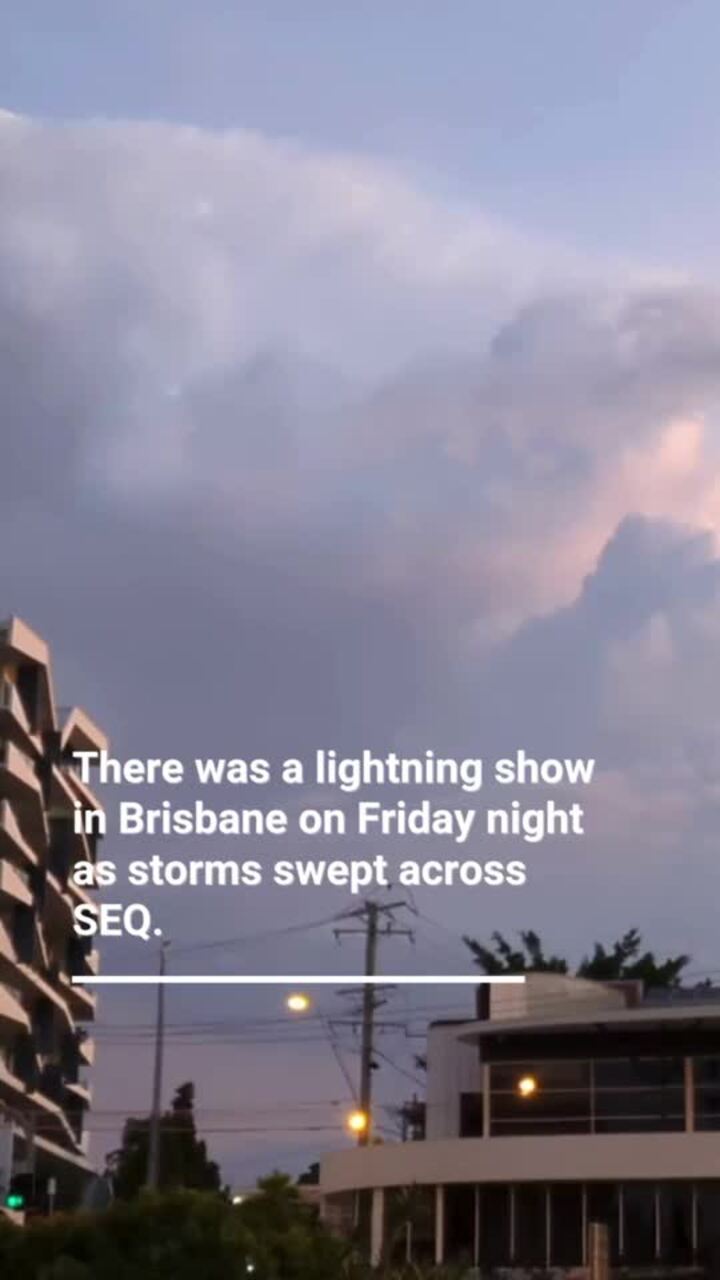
column 294, row 454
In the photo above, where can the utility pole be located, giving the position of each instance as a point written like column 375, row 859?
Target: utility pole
column 371, row 913
column 368, row 1012
column 153, row 1165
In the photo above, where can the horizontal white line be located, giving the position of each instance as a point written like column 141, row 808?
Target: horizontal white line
column 293, row 980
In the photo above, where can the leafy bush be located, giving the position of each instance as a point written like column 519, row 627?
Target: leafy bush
column 183, row 1236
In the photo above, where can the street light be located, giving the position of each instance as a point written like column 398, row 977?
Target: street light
column 527, row 1086
column 358, row 1122
column 298, row 1002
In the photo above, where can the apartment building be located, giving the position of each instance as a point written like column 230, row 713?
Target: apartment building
column 45, row 1047
column 565, row 1102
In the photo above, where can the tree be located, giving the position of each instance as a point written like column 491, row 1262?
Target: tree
column 183, row 1156
column 180, row 1235
column 624, row 959
column 501, row 958
column 183, row 1235
column 296, row 1244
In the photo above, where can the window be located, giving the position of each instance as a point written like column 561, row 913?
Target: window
column 409, row 1223
column 608, row 1095
column 558, row 1102
column 494, row 1227
column 676, row 1222
column 460, row 1224
column 708, row 1209
column 530, row 1216
column 395, row 1225
column 636, row 1095
column 707, row 1093
column 639, row 1239
column 471, row 1115
column 603, row 1205
column 363, row 1214
column 566, row 1225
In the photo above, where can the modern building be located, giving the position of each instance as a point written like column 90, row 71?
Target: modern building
column 45, row 1050
column 565, row 1102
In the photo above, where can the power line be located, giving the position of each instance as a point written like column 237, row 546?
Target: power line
column 248, row 939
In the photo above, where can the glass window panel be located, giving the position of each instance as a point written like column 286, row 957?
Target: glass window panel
column 420, row 1211
column 639, row 1245
column 676, row 1214
column 639, row 1095
column 708, row 1208
column 530, row 1225
column 363, row 1211
column 471, row 1115
column 603, row 1205
column 560, row 1102
column 528, row 1125
column 707, row 1071
column 644, row 1073
column 566, row 1223
column 460, row 1224
column 494, row 1227
column 401, row 1210
column 652, row 1123
column 707, row 1093
column 505, row 1076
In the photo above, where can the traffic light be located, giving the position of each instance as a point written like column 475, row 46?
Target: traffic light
column 14, row 1200
column 19, row 1193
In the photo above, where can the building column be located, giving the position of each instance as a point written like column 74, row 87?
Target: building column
column 377, row 1226
column 439, row 1226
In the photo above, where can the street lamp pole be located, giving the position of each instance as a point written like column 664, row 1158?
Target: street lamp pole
column 153, row 1165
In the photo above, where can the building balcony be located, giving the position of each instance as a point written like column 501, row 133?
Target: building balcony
column 20, row 785
column 80, row 733
column 58, row 904
column 13, row 1018
column 13, row 845
column 14, row 887
column 83, row 792
column 14, row 723
column 30, row 985
column 81, row 1002
column 81, row 1091
column 28, row 654
column 86, row 1049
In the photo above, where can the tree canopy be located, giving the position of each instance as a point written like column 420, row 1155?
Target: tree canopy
column 623, row 959
column 180, row 1235
column 183, row 1156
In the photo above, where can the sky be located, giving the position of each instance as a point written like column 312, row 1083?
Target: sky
column 360, row 380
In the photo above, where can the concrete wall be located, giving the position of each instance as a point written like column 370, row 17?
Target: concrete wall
column 453, row 1068
column 570, row 1157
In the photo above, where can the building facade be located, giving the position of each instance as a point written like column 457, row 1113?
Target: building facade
column 45, row 1048
column 565, row 1103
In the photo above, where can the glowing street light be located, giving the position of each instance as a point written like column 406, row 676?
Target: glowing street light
column 298, row 1002
column 527, row 1086
column 358, row 1122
